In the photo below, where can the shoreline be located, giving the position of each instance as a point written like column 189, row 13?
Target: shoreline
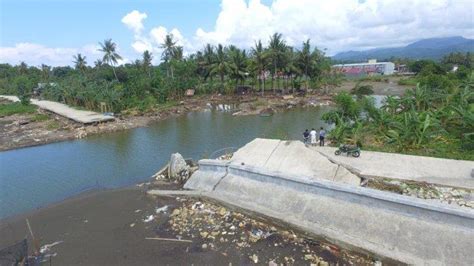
column 21, row 131
column 35, row 134
column 110, row 227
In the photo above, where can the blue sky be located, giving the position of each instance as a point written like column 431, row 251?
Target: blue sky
column 52, row 31
column 72, row 22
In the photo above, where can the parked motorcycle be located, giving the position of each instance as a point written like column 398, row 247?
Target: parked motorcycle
column 349, row 150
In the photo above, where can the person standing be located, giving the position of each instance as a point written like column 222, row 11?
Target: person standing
column 306, row 136
column 322, row 135
column 313, row 134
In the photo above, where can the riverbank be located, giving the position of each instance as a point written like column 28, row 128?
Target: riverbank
column 41, row 127
column 112, row 227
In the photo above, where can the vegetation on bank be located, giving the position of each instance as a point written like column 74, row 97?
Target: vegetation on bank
column 143, row 86
column 435, row 118
column 16, row 108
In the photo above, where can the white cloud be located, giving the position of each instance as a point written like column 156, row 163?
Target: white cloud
column 339, row 25
column 133, row 21
column 36, row 54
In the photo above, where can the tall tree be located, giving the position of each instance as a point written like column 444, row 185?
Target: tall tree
column 111, row 56
column 209, row 59
column 305, row 61
column 169, row 50
column 146, row 61
column 260, row 62
column 221, row 66
column 238, row 64
column 276, row 47
column 45, row 71
column 80, row 62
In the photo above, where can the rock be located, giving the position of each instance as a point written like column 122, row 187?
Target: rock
column 267, row 111
column 204, row 246
column 272, row 263
column 254, row 258
column 177, row 167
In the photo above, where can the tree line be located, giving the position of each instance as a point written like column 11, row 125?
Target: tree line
column 273, row 67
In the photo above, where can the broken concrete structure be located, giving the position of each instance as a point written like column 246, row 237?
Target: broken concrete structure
column 282, row 180
column 292, row 158
column 446, row 172
column 81, row 116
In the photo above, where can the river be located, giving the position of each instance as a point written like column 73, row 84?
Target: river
column 34, row 177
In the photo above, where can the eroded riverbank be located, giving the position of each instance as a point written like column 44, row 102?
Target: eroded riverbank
column 112, row 228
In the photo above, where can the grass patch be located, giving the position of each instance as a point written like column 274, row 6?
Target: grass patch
column 374, row 78
column 16, row 108
column 408, row 81
column 40, row 118
column 53, row 125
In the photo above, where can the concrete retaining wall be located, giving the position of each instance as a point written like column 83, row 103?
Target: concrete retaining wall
column 403, row 228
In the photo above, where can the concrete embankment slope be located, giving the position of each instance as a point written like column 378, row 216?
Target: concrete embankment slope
column 81, row 116
column 391, row 225
column 456, row 173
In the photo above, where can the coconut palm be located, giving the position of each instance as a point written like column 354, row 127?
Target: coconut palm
column 221, row 66
column 238, row 64
column 23, row 67
column 146, row 62
column 305, row 61
column 260, row 61
column 169, row 47
column 98, row 63
column 208, row 59
column 111, row 57
column 45, row 71
column 276, row 48
column 80, row 62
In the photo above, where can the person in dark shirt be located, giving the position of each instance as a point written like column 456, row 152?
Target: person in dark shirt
column 322, row 135
column 306, row 136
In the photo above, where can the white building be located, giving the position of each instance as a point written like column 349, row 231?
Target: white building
column 372, row 67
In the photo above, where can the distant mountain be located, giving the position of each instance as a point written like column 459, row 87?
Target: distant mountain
column 434, row 48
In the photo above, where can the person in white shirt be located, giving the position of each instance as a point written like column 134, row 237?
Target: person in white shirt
column 313, row 134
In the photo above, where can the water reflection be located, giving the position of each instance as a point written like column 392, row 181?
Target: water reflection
column 36, row 176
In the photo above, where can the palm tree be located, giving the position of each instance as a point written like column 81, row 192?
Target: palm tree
column 98, row 63
column 290, row 67
column 146, row 61
column 45, row 71
column 238, row 64
column 276, row 49
column 111, row 57
column 305, row 61
column 80, row 62
column 260, row 60
column 221, row 66
column 23, row 68
column 178, row 54
column 169, row 47
column 209, row 59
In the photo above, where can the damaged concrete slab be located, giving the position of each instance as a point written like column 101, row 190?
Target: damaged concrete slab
column 447, row 172
column 403, row 228
column 292, row 158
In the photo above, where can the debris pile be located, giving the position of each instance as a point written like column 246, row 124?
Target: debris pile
column 448, row 195
column 218, row 229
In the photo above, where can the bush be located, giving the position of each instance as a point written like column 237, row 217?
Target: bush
column 360, row 90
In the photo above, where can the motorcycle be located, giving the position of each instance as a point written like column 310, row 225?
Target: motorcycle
column 349, row 150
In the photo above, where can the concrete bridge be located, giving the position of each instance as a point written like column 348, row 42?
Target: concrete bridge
column 282, row 180
column 81, row 116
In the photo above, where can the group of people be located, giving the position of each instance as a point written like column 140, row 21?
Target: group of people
column 312, row 136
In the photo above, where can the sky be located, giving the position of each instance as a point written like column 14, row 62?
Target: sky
column 52, row 31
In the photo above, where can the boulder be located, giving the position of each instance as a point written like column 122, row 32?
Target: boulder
column 178, row 168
